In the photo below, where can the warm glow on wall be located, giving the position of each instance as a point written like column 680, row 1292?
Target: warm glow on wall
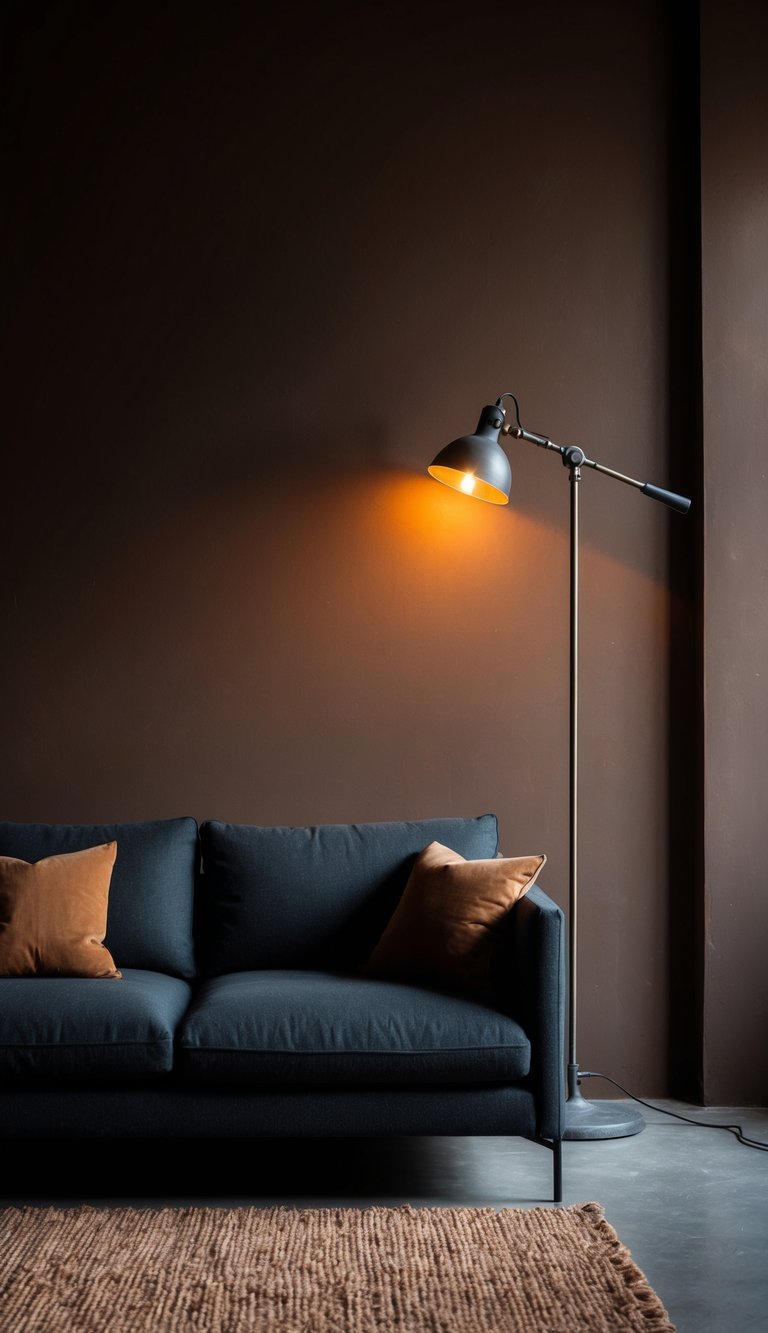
column 449, row 552
column 436, row 519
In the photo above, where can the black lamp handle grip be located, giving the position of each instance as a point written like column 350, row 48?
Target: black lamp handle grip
column 678, row 502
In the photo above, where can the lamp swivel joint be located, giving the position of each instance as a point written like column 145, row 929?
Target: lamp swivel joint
column 573, row 457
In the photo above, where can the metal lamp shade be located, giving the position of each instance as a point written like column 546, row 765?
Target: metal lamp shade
column 476, row 464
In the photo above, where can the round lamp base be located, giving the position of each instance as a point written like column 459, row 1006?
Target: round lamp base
column 600, row 1120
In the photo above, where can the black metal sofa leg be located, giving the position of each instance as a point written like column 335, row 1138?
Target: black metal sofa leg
column 557, row 1154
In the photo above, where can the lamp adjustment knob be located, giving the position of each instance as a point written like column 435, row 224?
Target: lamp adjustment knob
column 573, row 457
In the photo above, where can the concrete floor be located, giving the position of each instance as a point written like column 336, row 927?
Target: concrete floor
column 690, row 1203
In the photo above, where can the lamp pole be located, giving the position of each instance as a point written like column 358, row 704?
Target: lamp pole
column 477, row 465
column 573, row 777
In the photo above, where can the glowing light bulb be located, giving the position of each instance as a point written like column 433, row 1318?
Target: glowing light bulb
column 467, row 483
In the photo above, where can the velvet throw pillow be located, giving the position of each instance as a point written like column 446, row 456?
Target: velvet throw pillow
column 443, row 927
column 53, row 915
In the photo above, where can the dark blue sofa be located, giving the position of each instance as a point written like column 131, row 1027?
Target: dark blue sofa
column 241, row 1014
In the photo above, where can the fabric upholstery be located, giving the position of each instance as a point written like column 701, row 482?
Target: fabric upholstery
column 80, row 1059
column 297, row 1027
column 175, row 1109
column 151, row 895
column 83, row 1029
column 532, row 985
column 293, row 897
column 53, row 915
column 444, row 927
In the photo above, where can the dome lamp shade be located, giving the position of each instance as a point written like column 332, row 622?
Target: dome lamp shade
column 476, row 464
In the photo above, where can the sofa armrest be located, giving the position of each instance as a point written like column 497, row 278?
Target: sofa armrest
column 532, row 981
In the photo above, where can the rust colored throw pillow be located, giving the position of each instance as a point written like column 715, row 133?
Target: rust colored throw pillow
column 443, row 927
column 53, row 915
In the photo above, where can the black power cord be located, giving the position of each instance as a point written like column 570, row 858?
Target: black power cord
column 702, row 1124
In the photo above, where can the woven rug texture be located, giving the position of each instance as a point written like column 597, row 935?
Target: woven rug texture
column 320, row 1270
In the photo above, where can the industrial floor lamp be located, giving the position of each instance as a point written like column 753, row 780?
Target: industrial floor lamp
column 478, row 466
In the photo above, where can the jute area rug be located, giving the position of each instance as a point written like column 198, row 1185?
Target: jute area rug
column 320, row 1270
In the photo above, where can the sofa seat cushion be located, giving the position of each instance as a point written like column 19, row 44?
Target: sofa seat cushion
column 298, row 1027
column 75, row 1028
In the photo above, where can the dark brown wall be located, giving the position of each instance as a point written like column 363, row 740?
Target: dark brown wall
column 261, row 261
column 735, row 328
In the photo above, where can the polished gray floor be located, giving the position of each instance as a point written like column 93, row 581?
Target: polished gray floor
column 691, row 1203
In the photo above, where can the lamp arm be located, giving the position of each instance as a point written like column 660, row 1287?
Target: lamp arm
column 574, row 457
column 519, row 431
column 679, row 502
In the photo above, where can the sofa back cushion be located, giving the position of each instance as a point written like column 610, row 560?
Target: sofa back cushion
column 151, row 895
column 312, row 897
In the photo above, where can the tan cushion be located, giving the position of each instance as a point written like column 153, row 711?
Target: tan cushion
column 443, row 927
column 53, row 915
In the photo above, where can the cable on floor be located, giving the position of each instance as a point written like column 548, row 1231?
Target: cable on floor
column 702, row 1124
